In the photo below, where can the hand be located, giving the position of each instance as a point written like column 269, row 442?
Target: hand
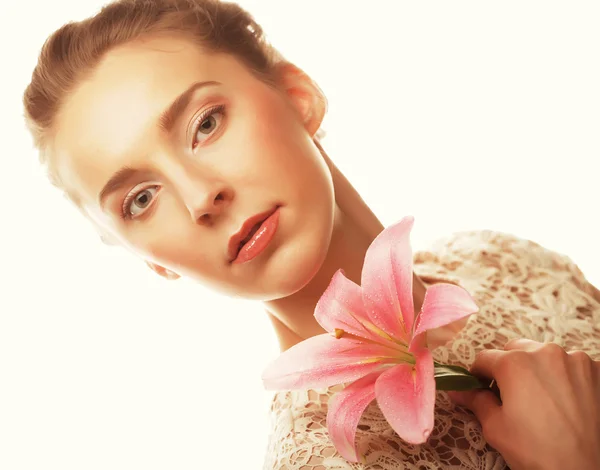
column 549, row 417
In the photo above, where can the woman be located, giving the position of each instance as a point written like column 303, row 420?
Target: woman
column 184, row 137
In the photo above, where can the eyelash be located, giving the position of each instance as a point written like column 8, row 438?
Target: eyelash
column 124, row 212
column 125, row 215
column 215, row 109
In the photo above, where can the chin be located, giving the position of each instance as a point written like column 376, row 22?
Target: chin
column 288, row 270
column 294, row 265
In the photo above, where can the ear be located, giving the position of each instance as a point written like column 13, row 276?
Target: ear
column 304, row 94
column 163, row 272
column 108, row 240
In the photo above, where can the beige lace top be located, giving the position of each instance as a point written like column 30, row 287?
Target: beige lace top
column 522, row 289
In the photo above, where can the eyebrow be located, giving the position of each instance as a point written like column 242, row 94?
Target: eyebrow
column 170, row 116
column 166, row 121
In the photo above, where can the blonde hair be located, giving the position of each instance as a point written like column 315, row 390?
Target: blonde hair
column 74, row 50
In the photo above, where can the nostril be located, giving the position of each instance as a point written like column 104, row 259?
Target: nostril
column 204, row 218
column 208, row 209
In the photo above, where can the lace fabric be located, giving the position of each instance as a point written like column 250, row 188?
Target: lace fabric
column 522, row 289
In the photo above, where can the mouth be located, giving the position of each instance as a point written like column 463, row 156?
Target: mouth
column 253, row 237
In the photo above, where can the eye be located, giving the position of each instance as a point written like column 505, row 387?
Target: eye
column 136, row 203
column 207, row 124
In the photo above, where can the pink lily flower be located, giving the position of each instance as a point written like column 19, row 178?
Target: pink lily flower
column 375, row 342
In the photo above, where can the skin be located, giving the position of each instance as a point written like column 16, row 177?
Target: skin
column 550, row 423
column 258, row 153
column 197, row 188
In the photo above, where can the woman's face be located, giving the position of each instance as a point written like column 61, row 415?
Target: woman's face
column 175, row 188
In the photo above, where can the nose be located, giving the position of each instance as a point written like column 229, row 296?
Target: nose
column 205, row 200
column 207, row 207
column 201, row 189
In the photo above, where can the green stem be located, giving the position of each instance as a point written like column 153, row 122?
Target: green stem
column 450, row 377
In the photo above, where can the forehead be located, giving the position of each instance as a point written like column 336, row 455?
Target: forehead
column 105, row 117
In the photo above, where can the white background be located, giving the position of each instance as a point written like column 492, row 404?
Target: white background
column 467, row 115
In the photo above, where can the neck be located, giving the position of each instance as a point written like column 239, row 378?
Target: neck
column 355, row 228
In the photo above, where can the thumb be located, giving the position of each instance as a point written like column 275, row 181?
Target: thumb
column 483, row 403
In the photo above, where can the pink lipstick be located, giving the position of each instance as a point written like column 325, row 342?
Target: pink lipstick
column 254, row 236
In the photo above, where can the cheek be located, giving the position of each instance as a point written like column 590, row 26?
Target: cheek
column 280, row 148
column 187, row 257
column 295, row 172
column 269, row 122
column 169, row 240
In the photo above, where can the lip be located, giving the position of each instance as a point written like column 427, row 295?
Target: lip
column 235, row 240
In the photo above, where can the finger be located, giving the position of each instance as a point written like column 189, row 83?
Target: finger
column 579, row 354
column 524, row 344
column 485, row 405
column 485, row 363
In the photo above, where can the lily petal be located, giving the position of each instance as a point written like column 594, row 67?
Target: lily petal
column 439, row 336
column 341, row 308
column 322, row 361
column 406, row 397
column 387, row 280
column 443, row 304
column 344, row 411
